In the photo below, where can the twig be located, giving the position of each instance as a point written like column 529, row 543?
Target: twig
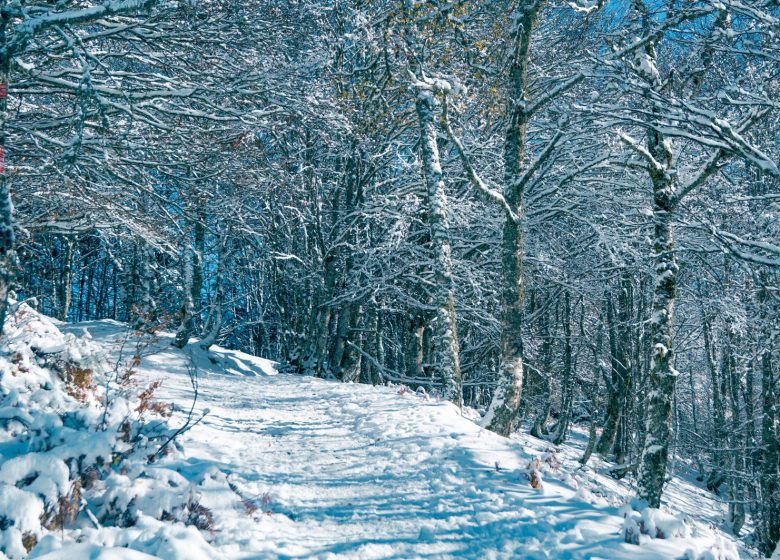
column 192, row 371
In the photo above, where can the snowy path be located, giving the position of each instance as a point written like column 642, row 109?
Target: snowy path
column 368, row 473
column 349, row 471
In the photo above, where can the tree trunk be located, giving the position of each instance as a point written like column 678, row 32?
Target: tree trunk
column 769, row 525
column 620, row 354
column 413, row 354
column 185, row 329
column 192, row 274
column 716, row 477
column 445, row 361
column 539, row 427
column 729, row 376
column 652, row 470
column 594, row 393
column 214, row 321
column 567, row 386
column 612, row 415
column 505, row 405
column 143, row 305
column 66, row 282
column 7, row 238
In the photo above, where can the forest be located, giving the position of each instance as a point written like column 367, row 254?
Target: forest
column 561, row 214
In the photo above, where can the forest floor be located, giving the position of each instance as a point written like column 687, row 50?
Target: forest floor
column 297, row 467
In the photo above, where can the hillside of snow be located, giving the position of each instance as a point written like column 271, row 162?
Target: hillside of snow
column 281, row 466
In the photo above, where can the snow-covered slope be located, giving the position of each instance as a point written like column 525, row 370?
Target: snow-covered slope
column 295, row 467
column 76, row 438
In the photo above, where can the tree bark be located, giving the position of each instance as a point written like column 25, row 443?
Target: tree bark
column 567, row 385
column 769, row 527
column 655, row 454
column 214, row 321
column 186, row 323
column 66, row 281
column 7, row 236
column 620, row 354
column 143, row 306
column 505, row 405
column 715, row 478
column 539, row 427
column 445, row 362
column 736, row 494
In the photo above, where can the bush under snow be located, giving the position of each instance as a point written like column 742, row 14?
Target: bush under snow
column 79, row 439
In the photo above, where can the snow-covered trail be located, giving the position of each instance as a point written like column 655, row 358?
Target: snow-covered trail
column 331, row 470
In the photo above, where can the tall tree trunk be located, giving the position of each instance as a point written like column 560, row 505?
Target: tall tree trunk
column 612, row 413
column 769, row 526
column 594, row 396
column 716, row 476
column 567, row 385
column 539, row 427
column 413, row 353
column 214, row 321
column 730, row 375
column 143, row 305
column 505, row 405
column 186, row 313
column 351, row 362
column 192, row 274
column 445, row 362
column 66, row 282
column 620, row 353
column 655, row 454
column 7, row 239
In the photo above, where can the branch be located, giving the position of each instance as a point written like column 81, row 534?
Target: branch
column 474, row 178
column 707, row 170
column 191, row 421
column 641, row 150
column 548, row 149
column 32, row 26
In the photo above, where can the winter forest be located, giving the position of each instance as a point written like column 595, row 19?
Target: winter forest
column 518, row 253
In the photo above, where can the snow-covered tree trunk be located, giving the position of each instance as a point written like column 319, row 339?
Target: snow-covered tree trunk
column 184, row 332
column 192, row 275
column 413, row 354
column 769, row 527
column 652, row 470
column 445, row 361
column 64, row 287
column 736, row 482
column 7, row 242
column 214, row 321
column 715, row 478
column 542, row 413
column 567, row 383
column 619, row 347
column 594, row 395
column 505, row 405
column 145, row 307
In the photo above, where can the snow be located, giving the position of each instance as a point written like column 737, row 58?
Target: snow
column 584, row 6
column 288, row 466
column 51, row 475
column 92, row 552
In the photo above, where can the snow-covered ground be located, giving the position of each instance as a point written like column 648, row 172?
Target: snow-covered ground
column 286, row 466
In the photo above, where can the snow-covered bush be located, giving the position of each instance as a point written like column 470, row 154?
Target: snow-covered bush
column 721, row 550
column 77, row 434
column 534, row 473
column 651, row 523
